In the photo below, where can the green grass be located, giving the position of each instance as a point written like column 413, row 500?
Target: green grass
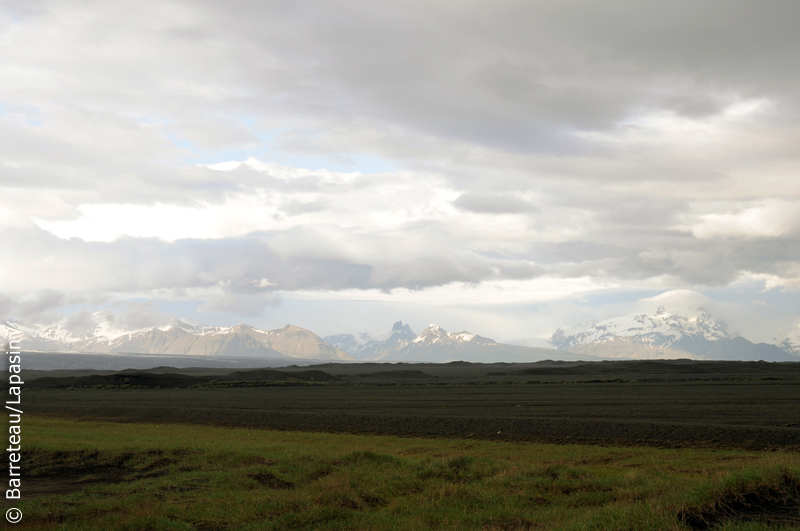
column 177, row 477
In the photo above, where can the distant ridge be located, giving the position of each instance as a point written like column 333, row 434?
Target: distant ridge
column 181, row 338
column 638, row 336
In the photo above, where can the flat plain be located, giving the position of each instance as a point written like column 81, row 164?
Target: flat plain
column 752, row 405
column 647, row 445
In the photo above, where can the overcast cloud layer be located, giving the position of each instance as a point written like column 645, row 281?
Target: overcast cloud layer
column 228, row 157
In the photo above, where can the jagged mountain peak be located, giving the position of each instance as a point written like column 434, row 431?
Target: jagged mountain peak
column 367, row 347
column 400, row 327
column 400, row 333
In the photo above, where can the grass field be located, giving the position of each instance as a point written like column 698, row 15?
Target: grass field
column 106, row 476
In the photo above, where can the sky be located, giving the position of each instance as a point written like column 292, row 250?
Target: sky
column 504, row 167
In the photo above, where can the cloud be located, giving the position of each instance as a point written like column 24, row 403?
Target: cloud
column 683, row 302
column 769, row 219
column 81, row 316
column 136, row 315
column 177, row 81
column 245, row 305
column 42, row 305
column 322, row 258
column 84, row 321
column 178, row 150
column 294, row 207
column 493, row 204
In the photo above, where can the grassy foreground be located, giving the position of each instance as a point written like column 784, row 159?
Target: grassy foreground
column 176, row 477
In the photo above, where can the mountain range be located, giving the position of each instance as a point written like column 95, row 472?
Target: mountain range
column 182, row 338
column 436, row 344
column 661, row 335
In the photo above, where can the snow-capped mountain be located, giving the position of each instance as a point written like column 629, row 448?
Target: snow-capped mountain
column 182, row 338
column 659, row 332
column 663, row 335
column 10, row 331
column 435, row 334
column 438, row 345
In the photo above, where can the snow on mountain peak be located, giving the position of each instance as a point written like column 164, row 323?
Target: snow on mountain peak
column 661, row 329
column 432, row 334
column 10, row 330
column 183, row 326
column 435, row 334
column 175, row 324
